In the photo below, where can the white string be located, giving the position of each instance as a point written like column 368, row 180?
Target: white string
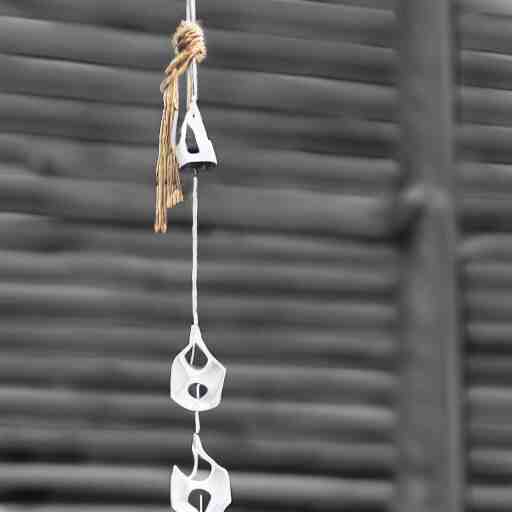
column 192, row 77
column 198, row 422
column 191, row 10
column 194, row 279
column 196, row 415
column 192, row 70
column 194, row 251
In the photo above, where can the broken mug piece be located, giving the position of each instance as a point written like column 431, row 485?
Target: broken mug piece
column 194, row 150
column 215, row 485
column 197, row 388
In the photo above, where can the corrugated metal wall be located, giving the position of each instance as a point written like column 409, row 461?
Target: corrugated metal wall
column 485, row 175
column 299, row 262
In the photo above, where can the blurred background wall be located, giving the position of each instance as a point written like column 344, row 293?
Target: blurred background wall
column 301, row 255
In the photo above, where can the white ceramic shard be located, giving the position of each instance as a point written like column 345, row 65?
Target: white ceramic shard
column 203, row 154
column 187, row 379
column 216, row 483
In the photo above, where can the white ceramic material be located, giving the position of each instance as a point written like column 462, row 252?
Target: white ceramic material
column 205, row 156
column 184, row 375
column 216, row 483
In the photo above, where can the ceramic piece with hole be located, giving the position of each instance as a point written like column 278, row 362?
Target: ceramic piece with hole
column 197, row 378
column 194, row 150
column 214, row 488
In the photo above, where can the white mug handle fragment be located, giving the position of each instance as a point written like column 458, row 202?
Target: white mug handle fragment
column 187, row 379
column 216, row 483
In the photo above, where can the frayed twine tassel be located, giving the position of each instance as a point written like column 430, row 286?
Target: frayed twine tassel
column 168, row 183
column 189, row 44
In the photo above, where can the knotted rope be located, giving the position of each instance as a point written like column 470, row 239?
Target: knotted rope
column 189, row 45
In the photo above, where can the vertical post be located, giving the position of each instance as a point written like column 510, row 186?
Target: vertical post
column 430, row 470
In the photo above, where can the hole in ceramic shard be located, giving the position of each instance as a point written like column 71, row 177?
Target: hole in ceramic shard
column 199, row 499
column 204, row 468
column 190, row 139
column 197, row 390
column 196, row 357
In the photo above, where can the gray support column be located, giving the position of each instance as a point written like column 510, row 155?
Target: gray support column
column 431, row 471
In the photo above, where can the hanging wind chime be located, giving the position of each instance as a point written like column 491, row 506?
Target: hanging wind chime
column 195, row 385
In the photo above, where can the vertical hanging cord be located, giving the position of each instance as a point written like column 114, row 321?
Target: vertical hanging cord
column 194, row 279
column 197, row 422
column 192, row 69
column 192, row 97
column 194, row 251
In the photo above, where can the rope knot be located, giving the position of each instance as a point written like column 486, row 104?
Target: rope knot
column 189, row 39
column 189, row 44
